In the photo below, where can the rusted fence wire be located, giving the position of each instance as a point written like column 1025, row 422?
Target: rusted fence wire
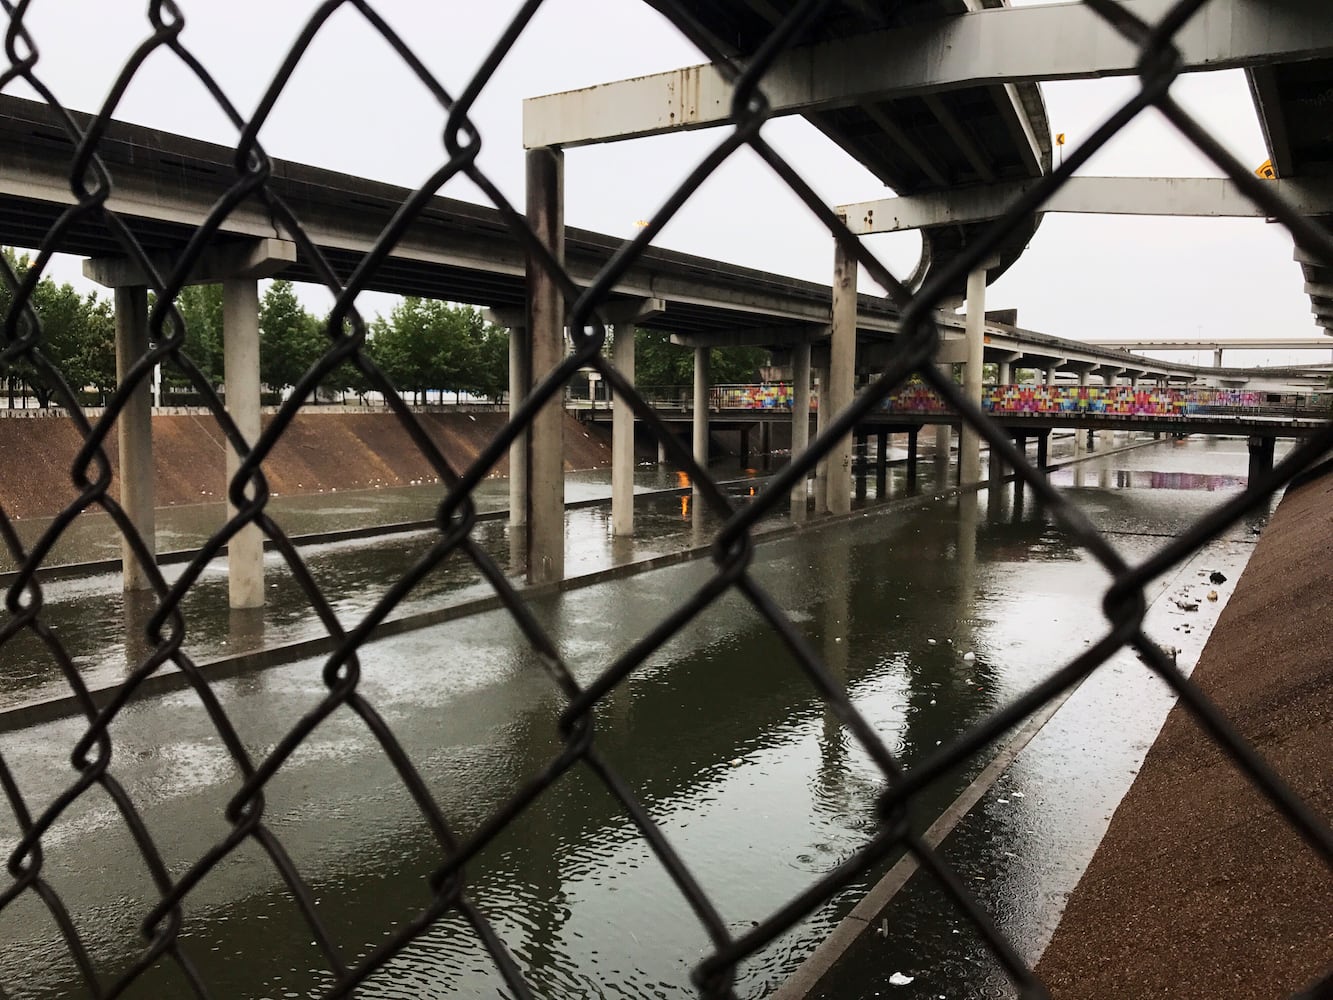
column 92, row 185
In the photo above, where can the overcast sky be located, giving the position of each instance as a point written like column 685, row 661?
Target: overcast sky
column 353, row 107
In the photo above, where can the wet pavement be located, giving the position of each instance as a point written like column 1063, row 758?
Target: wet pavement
column 719, row 735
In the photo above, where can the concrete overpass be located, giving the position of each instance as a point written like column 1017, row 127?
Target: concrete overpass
column 165, row 185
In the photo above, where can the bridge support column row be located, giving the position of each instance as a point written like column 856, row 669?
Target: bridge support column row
column 238, row 267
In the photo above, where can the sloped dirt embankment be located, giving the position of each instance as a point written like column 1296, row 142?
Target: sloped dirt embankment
column 319, row 451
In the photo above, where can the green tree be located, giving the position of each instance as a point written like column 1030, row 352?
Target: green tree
column 100, row 343
column 200, row 307
column 425, row 345
column 64, row 319
column 290, row 339
column 658, row 362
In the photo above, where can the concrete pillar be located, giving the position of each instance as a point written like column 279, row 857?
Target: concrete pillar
column 1004, row 373
column 520, row 379
column 1217, row 357
column 661, row 453
column 969, row 442
column 240, row 342
column 1043, row 446
column 546, row 345
column 622, row 436
column 1079, row 447
column 800, row 423
column 134, row 434
column 943, row 437
column 821, row 422
column 842, row 375
column 766, row 445
column 1051, row 373
column 1261, row 457
column 701, row 380
column 912, row 436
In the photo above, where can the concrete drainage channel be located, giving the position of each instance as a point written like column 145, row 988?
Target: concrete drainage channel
column 49, row 709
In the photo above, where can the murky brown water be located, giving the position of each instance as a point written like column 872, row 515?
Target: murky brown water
column 719, row 736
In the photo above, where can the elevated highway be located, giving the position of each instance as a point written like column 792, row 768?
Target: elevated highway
column 165, row 185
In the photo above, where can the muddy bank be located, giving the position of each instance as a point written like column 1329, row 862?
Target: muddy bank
column 1200, row 889
column 319, row 451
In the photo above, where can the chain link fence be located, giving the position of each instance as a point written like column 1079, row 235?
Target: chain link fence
column 92, row 184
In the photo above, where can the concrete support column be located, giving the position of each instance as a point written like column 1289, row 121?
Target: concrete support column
column 1079, row 446
column 134, row 434
column 969, row 442
column 943, row 437
column 912, row 436
column 1051, row 373
column 766, row 445
column 1261, row 457
column 842, row 375
column 622, row 436
column 1004, row 373
column 520, row 378
column 240, row 343
column 821, row 422
column 800, row 423
column 1043, row 445
column 546, row 328
column 1217, row 358
column 701, row 381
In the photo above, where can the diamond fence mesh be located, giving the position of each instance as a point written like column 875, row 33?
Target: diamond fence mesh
column 93, row 184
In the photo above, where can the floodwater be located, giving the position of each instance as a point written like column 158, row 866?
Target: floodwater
column 719, row 736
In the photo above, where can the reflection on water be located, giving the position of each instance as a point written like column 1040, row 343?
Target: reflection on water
column 929, row 619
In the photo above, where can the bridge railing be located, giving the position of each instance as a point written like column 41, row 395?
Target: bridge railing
column 169, row 921
column 1043, row 400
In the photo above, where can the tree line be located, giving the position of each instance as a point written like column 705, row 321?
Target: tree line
column 421, row 346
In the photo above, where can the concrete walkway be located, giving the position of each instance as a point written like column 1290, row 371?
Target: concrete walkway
column 1200, row 889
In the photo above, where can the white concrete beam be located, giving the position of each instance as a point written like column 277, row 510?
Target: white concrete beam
column 982, row 48
column 761, row 336
column 257, row 258
column 1199, row 197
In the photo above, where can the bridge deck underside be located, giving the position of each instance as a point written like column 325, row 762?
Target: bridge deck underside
column 912, row 144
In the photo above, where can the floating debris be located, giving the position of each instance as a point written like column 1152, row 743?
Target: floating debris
column 1212, row 595
column 898, row 979
column 969, row 656
column 1216, row 577
column 1185, row 605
